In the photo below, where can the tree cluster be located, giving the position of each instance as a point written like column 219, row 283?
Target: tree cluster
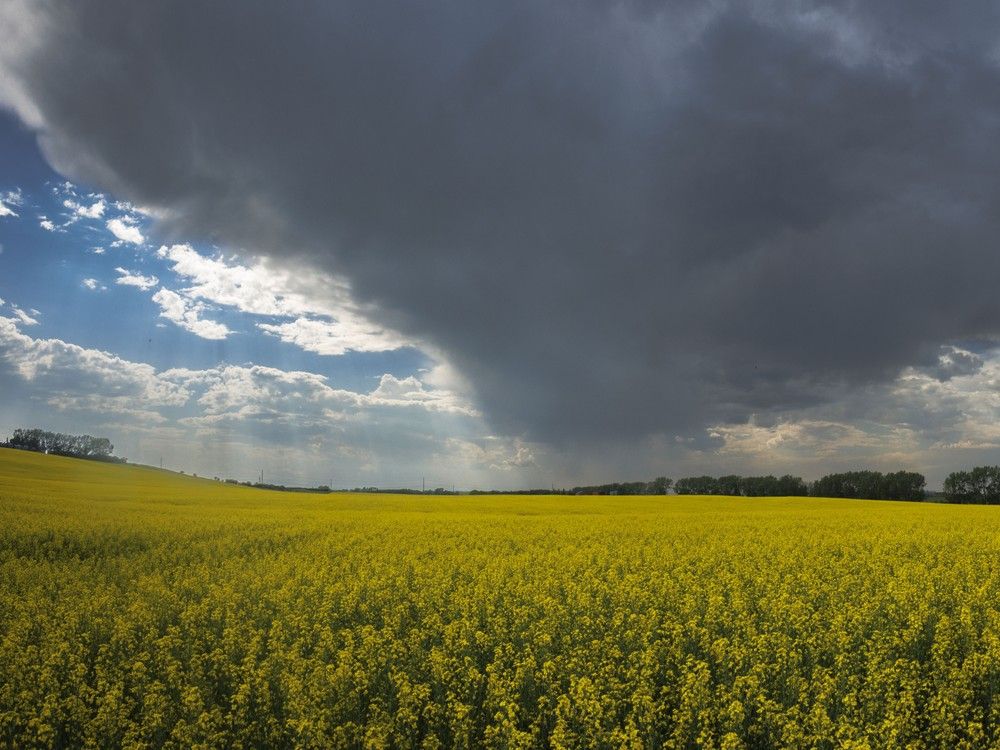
column 659, row 486
column 871, row 485
column 979, row 485
column 732, row 484
column 58, row 443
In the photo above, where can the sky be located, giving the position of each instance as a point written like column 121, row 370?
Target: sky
column 504, row 244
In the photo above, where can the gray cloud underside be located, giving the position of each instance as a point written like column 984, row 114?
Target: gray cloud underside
column 614, row 219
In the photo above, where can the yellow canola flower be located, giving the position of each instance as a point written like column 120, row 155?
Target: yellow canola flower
column 143, row 609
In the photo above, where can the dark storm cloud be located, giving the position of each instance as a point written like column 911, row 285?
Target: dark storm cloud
column 953, row 362
column 615, row 219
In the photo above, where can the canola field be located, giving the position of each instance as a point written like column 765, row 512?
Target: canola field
column 143, row 609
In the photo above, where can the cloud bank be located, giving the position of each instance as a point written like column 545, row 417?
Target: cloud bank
column 615, row 220
column 227, row 418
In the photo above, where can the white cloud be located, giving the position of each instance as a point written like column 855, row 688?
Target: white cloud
column 133, row 278
column 496, row 454
column 334, row 337
column 98, row 250
column 258, row 392
column 94, row 211
column 23, row 317
column 290, row 406
column 411, row 391
column 187, row 315
column 326, row 319
column 10, row 200
column 790, row 440
column 125, row 230
column 519, row 457
column 147, row 211
column 121, row 406
column 94, row 285
column 78, row 375
column 45, row 224
column 60, row 370
column 213, row 418
column 257, row 289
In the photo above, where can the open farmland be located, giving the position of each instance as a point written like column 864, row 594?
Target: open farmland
column 141, row 608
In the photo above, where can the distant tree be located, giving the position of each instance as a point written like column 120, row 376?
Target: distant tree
column 616, row 488
column 759, row 486
column 703, row 485
column 660, row 486
column 980, row 485
column 871, row 485
column 733, row 484
column 730, row 484
column 789, row 486
column 958, row 488
column 81, row 446
column 631, row 488
column 28, row 440
column 903, row 485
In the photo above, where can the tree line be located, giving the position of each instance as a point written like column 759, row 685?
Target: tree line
column 980, row 485
column 733, row 484
column 658, row 486
column 61, row 444
column 870, row 485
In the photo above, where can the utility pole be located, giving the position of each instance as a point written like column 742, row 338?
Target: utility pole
column 423, row 484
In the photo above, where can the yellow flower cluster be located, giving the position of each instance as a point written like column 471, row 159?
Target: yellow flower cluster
column 199, row 615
